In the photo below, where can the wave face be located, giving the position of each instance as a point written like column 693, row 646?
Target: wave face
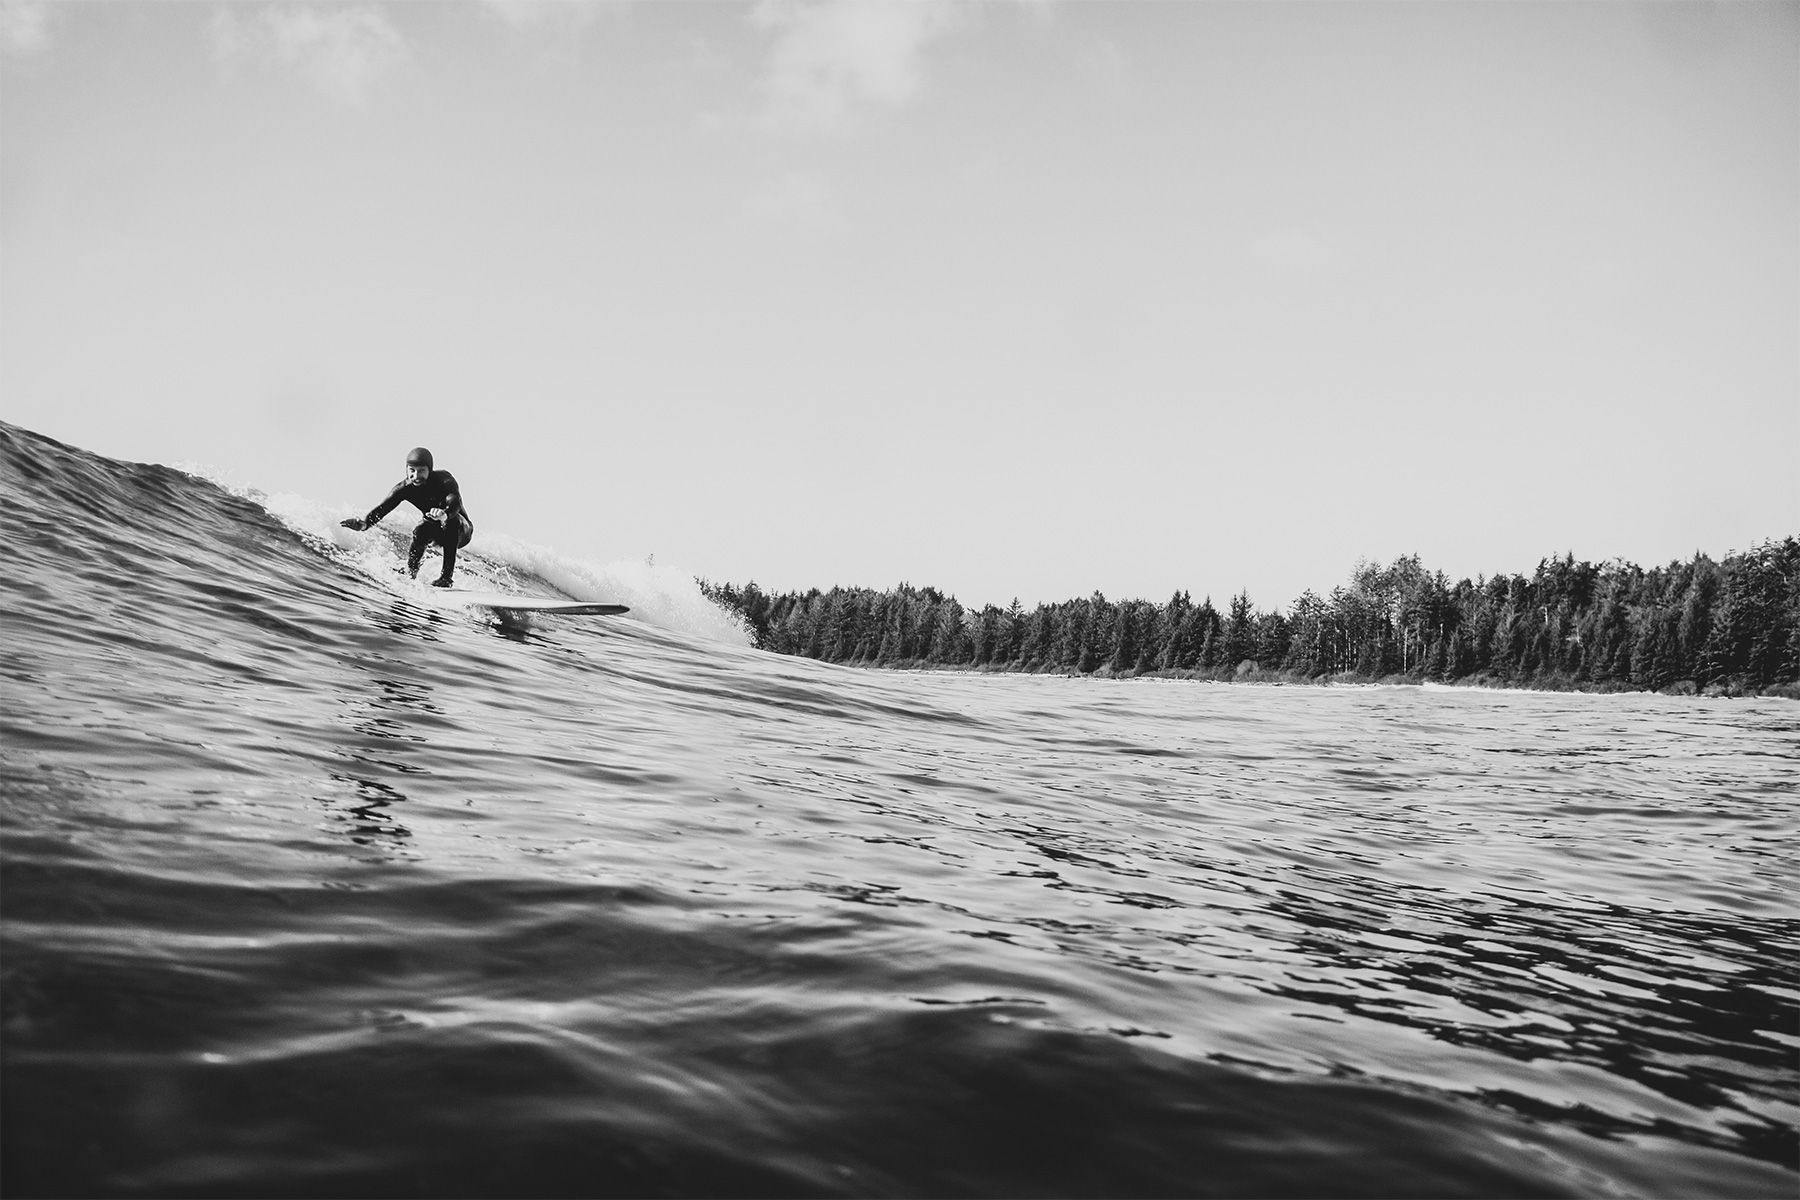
column 311, row 888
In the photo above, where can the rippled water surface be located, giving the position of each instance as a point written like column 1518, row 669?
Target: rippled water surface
column 312, row 888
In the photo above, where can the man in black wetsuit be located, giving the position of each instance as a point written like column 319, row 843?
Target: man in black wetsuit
column 435, row 494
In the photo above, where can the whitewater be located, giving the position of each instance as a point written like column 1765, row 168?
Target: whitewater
column 309, row 887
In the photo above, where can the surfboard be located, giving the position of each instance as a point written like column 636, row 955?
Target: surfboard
column 501, row 603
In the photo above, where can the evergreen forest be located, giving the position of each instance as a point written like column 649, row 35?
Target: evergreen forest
column 1730, row 627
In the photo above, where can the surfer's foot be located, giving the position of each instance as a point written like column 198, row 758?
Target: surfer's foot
column 441, row 581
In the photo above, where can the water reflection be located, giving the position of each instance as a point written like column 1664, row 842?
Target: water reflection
column 390, row 719
column 367, row 820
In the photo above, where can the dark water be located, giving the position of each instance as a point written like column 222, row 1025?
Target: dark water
column 311, row 888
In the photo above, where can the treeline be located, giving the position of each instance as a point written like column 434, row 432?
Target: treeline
column 1731, row 626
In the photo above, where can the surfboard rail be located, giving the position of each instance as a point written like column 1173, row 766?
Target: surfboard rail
column 502, row 603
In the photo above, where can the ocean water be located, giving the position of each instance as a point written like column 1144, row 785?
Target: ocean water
column 309, row 887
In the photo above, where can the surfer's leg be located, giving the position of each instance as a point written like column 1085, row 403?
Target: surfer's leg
column 453, row 540
column 423, row 536
column 443, row 580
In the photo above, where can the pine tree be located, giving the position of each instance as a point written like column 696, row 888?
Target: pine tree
column 1734, row 623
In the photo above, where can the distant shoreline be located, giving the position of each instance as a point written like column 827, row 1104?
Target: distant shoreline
column 1695, row 628
column 1259, row 678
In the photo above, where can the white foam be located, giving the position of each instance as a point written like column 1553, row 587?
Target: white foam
column 662, row 595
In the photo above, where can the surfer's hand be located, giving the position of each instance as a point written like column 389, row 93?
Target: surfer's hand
column 436, row 514
column 356, row 523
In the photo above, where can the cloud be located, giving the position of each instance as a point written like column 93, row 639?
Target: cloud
column 831, row 57
column 24, row 27
column 341, row 50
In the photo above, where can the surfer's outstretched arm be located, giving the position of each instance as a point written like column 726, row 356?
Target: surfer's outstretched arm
column 379, row 511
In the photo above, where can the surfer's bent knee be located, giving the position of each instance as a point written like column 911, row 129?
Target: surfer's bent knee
column 438, row 533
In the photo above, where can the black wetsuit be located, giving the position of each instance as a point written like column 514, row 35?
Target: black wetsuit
column 438, row 490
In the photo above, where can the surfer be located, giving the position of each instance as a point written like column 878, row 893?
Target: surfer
column 435, row 494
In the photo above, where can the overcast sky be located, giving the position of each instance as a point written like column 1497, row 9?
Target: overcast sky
column 1014, row 299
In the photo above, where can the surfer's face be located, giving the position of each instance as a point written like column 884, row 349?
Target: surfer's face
column 416, row 472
